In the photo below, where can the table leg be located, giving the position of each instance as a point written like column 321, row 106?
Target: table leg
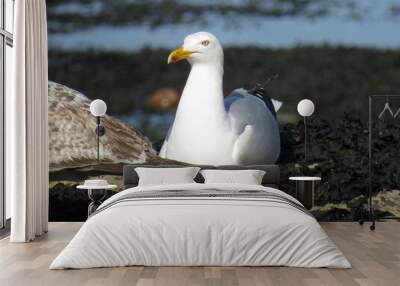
column 305, row 193
column 96, row 197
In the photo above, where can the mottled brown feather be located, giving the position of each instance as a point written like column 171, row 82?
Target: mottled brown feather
column 72, row 138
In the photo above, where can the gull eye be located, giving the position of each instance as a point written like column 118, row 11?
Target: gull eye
column 205, row 43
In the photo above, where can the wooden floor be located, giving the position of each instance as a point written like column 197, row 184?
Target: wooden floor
column 375, row 257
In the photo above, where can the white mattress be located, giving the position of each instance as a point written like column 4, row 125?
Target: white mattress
column 200, row 231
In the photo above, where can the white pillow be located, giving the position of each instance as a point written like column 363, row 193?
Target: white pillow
column 247, row 177
column 165, row 176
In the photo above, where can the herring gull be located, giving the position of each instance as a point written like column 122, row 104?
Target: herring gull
column 208, row 129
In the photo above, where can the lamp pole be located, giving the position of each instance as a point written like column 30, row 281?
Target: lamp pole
column 305, row 139
column 98, row 109
column 100, row 131
column 305, row 108
column 98, row 138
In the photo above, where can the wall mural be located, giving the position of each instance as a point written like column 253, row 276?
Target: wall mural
column 232, row 105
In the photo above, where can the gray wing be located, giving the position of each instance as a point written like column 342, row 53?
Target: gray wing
column 256, row 126
column 244, row 109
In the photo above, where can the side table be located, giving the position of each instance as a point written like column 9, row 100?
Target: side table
column 96, row 195
column 305, row 189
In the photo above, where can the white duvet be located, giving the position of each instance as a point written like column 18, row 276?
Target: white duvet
column 200, row 231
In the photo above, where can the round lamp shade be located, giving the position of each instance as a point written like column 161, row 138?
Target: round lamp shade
column 305, row 107
column 98, row 107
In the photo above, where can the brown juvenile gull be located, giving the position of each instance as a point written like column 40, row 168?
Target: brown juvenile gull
column 72, row 138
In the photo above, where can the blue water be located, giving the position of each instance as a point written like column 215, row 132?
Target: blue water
column 377, row 29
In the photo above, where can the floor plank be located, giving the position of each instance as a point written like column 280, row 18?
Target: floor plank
column 375, row 257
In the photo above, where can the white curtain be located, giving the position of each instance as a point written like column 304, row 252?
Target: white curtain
column 26, row 124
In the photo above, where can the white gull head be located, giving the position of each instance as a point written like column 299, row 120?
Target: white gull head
column 201, row 47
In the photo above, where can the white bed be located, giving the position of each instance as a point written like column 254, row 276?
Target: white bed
column 206, row 230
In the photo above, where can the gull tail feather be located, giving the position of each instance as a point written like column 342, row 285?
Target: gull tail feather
column 277, row 104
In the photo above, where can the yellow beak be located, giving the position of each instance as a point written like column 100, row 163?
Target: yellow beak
column 177, row 55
